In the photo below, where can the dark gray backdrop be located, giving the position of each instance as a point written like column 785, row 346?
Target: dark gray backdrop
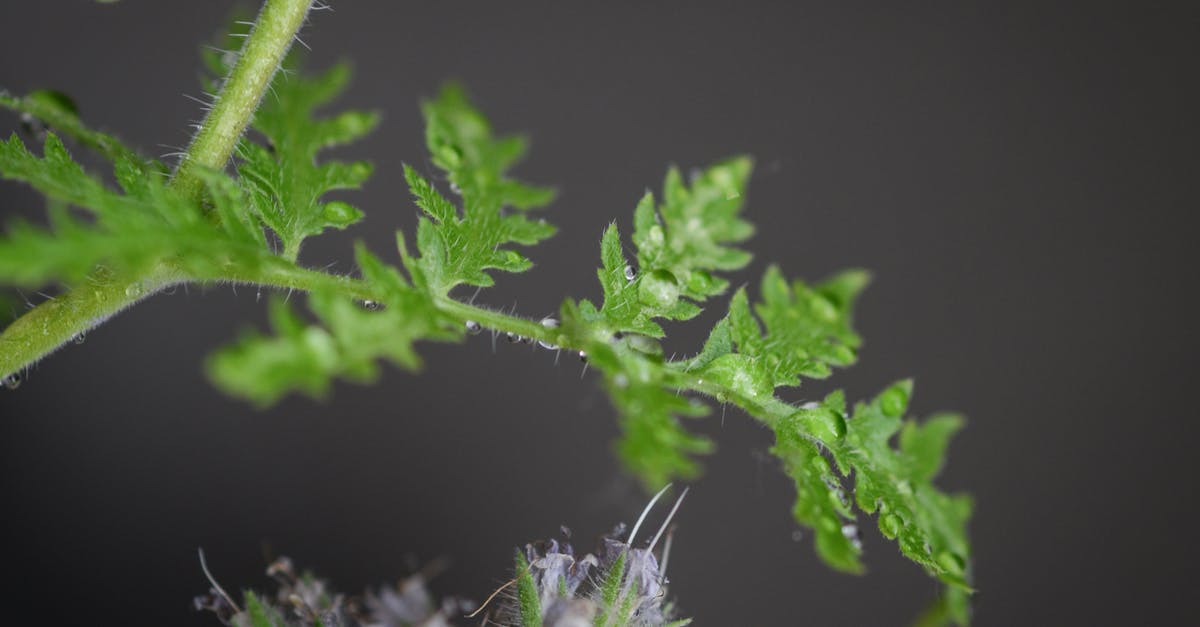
column 1015, row 176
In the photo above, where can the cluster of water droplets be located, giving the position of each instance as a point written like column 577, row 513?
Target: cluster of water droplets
column 473, row 327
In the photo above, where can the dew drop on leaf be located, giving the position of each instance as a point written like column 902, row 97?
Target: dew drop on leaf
column 12, row 381
column 951, row 562
column 473, row 327
column 340, row 214
column 893, row 401
column 630, row 273
column 890, row 525
column 371, row 305
column 79, row 337
column 825, row 424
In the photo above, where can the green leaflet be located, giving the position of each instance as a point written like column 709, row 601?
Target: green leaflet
column 348, row 343
column 58, row 112
column 807, row 330
column 284, row 179
column 461, row 143
column 689, row 234
column 896, row 484
column 653, row 444
column 821, row 502
column 457, row 247
column 679, row 244
column 132, row 231
column 798, row 331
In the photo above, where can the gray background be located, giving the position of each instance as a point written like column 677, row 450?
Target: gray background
column 1016, row 176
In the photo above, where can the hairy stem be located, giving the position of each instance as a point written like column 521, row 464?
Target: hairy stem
column 260, row 57
column 45, row 328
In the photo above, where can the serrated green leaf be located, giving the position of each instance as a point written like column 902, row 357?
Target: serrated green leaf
column 678, row 246
column 59, row 113
column 929, row 526
column 459, row 247
column 820, row 500
column 804, row 330
column 690, row 233
column 348, row 343
column 623, row 309
column 131, row 231
column 284, row 179
column 653, row 445
column 476, row 163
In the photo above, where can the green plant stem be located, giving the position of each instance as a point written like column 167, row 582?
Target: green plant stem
column 770, row 410
column 234, row 107
column 45, row 328
column 57, row 321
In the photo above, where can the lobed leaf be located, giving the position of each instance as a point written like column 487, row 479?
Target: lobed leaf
column 807, row 330
column 459, row 246
column 133, row 229
column 348, row 343
column 679, row 245
column 896, row 484
column 57, row 112
column 283, row 177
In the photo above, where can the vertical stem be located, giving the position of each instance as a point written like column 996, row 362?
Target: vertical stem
column 260, row 57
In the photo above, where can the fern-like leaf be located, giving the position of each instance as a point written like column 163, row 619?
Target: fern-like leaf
column 133, row 229
column 459, row 246
column 285, row 180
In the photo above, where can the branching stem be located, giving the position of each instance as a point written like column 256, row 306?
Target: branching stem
column 46, row 327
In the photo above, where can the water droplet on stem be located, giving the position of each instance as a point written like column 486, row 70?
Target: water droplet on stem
column 549, row 323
